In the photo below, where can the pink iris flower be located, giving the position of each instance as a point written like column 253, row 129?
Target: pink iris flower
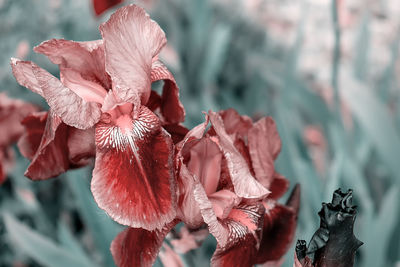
column 226, row 181
column 11, row 113
column 103, row 104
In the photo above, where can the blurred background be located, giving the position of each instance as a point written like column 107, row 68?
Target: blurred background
column 326, row 71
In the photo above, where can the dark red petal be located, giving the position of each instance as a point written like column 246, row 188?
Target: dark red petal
column 171, row 107
column 279, row 186
column 51, row 158
column 279, row 228
column 133, row 178
column 138, row 247
column 2, row 174
column 244, row 225
column 264, row 146
column 81, row 146
column 100, row 6
column 154, row 101
column 34, row 125
column 86, row 58
column 176, row 131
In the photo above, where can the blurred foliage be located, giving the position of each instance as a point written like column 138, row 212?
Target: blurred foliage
column 324, row 70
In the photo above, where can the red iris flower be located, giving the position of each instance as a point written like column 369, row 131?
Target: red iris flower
column 11, row 113
column 226, row 180
column 101, row 6
column 104, row 94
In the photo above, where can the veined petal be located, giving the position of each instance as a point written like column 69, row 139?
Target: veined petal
column 51, row 158
column 244, row 226
column 244, row 183
column 235, row 123
column 223, row 201
column 279, row 228
column 23, row 73
column 138, row 247
column 86, row 58
column 133, row 179
column 71, row 108
column 264, row 146
column 171, row 107
column 131, row 42
column 81, row 146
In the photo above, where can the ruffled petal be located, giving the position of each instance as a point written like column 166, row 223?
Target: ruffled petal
column 71, row 108
column 86, row 58
column 23, row 73
column 100, row 6
column 138, row 247
column 244, row 226
column 131, row 42
column 279, row 228
column 35, row 125
column 171, row 107
column 133, row 179
column 244, row 183
column 51, row 158
column 235, row 123
column 264, row 146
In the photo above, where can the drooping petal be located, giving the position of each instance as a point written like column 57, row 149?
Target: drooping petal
column 138, row 247
column 100, row 6
column 131, row 42
column 71, row 108
column 23, row 73
column 86, row 58
column 133, row 179
column 34, row 125
column 264, row 146
column 245, row 184
column 51, row 158
column 81, row 146
column 244, row 226
column 279, row 228
column 171, row 107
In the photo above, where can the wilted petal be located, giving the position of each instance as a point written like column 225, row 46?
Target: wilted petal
column 23, row 73
column 133, row 179
column 264, row 146
column 86, row 58
column 102, row 5
column 51, row 158
column 279, row 228
column 71, row 108
column 171, row 107
column 138, row 247
column 35, row 125
column 244, row 227
column 245, row 184
column 131, row 42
